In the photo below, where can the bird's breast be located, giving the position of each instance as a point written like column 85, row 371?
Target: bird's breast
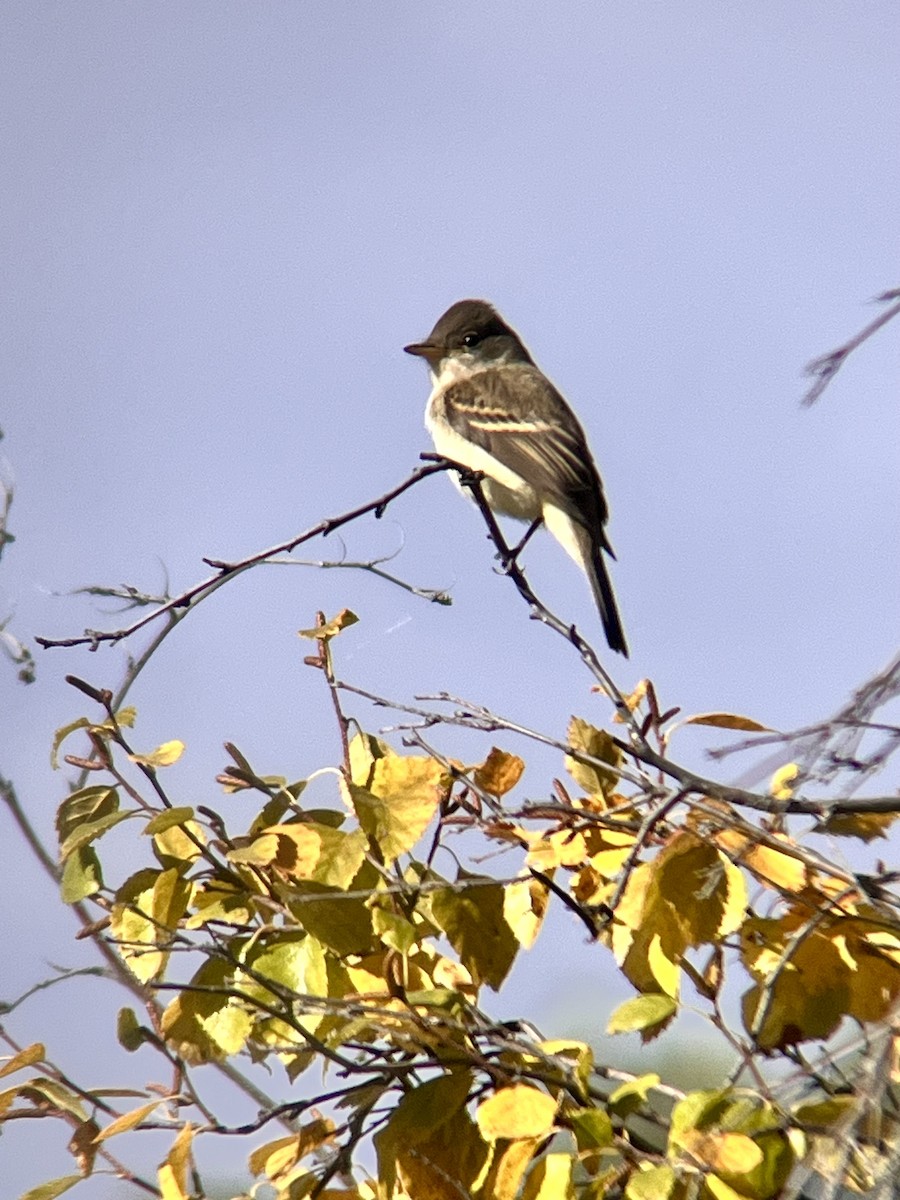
column 505, row 491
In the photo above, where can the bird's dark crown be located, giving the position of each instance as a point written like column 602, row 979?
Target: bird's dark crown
column 471, row 324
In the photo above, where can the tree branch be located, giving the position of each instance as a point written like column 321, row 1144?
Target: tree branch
column 228, row 570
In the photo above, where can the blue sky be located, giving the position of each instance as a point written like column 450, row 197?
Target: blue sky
column 221, row 222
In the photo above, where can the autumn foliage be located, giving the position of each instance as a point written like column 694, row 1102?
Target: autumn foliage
column 325, row 944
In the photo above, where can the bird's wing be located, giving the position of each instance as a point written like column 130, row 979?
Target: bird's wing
column 516, row 415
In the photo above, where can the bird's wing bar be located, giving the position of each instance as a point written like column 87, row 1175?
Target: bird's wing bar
column 518, row 417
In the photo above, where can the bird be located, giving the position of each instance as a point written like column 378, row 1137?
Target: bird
column 492, row 410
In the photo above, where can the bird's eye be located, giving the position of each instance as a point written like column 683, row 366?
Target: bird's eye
column 471, row 338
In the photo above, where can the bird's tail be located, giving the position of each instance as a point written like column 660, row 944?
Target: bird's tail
column 601, row 586
column 587, row 548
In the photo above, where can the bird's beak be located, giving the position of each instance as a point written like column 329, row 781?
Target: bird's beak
column 427, row 350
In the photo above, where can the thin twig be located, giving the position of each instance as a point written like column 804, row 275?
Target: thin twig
column 824, row 368
column 228, row 570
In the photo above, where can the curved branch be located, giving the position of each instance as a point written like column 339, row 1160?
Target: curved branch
column 225, row 571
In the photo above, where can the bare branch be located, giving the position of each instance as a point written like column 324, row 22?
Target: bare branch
column 824, row 368
column 228, row 570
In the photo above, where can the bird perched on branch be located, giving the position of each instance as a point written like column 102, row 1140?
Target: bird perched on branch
column 493, row 410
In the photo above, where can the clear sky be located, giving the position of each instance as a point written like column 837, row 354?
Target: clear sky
column 219, row 224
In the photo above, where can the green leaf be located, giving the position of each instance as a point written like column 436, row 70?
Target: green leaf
column 128, row 1120
column 60, row 736
column 658, row 1183
column 87, row 804
column 82, row 876
column 128, row 1030
column 59, row 1096
column 393, row 929
column 166, row 819
column 295, row 963
column 630, row 1096
column 472, row 918
column 52, row 1188
column 592, row 1128
column 340, row 922
column 148, row 909
column 642, row 1013
column 88, row 832
column 206, row 1026
column 697, row 1110
column 423, row 1110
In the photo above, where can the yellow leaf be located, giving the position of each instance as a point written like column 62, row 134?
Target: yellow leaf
column 629, row 1097
column 759, row 1169
column 134, row 928
column 865, row 826
column 259, row 1159
column 775, row 869
column 642, row 1013
column 509, row 1163
column 524, row 907
column 632, row 700
column 180, row 844
column 364, row 749
column 471, row 915
column 663, row 969
column 422, row 1111
column 25, row 1058
column 596, row 743
column 169, row 1186
column 178, row 1159
column 127, row 1121
column 723, row 720
column 579, row 1053
column 279, row 1158
column 294, row 849
column 397, row 807
column 550, row 1179
column 720, row 1190
column 690, row 894
column 802, row 999
column 204, row 1026
column 445, row 1166
column 499, row 773
column 344, row 619
column 608, row 850
column 781, row 783
column 393, row 929
column 592, row 1127
column 656, row 1183
column 725, row 1153
column 519, row 1111
column 163, row 756
column 166, row 819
